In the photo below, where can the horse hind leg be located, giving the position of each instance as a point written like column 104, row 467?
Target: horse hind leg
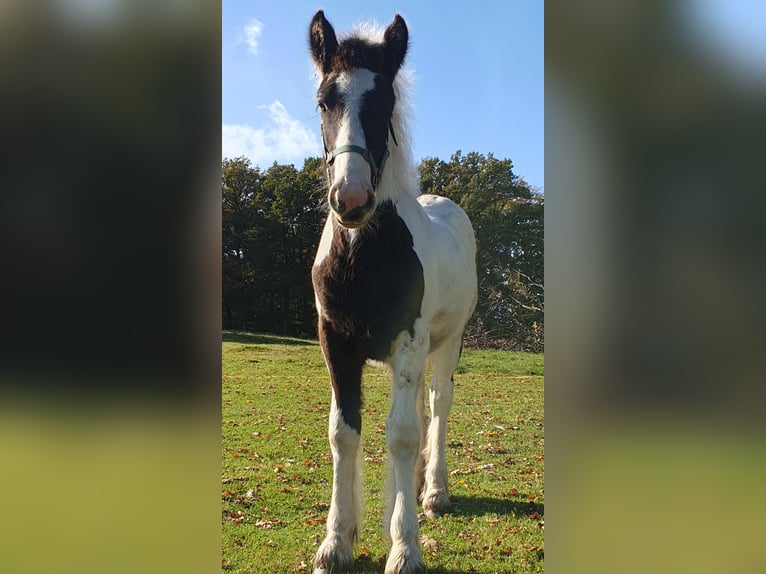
column 420, row 462
column 435, row 493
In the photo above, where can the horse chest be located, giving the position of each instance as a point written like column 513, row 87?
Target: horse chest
column 371, row 289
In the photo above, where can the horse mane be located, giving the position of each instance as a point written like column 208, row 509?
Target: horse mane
column 406, row 176
column 403, row 175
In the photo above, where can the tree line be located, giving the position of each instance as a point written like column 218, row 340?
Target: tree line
column 272, row 221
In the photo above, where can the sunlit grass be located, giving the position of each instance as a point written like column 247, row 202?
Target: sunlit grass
column 277, row 468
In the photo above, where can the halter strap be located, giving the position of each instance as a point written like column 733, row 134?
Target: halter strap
column 375, row 171
column 364, row 152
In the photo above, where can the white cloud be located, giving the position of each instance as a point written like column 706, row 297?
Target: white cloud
column 284, row 139
column 252, row 33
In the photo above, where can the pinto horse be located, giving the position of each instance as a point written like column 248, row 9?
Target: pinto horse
column 394, row 282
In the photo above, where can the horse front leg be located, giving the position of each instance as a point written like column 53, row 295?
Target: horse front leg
column 344, row 519
column 403, row 436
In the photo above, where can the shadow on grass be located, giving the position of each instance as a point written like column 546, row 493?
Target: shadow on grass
column 440, row 570
column 369, row 565
column 480, row 506
column 263, row 339
column 461, row 506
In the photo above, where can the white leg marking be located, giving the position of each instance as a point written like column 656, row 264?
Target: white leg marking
column 403, row 435
column 420, row 461
column 435, row 494
column 344, row 519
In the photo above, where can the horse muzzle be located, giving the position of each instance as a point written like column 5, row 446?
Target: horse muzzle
column 352, row 206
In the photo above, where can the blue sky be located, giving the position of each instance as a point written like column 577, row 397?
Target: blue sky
column 478, row 71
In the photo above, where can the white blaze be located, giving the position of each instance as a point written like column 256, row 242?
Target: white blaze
column 351, row 169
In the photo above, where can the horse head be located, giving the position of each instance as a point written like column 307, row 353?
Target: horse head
column 356, row 102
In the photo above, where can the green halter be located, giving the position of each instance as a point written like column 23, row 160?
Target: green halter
column 375, row 171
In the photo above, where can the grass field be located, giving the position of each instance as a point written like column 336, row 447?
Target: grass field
column 277, row 468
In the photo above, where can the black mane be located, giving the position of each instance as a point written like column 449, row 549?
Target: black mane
column 357, row 52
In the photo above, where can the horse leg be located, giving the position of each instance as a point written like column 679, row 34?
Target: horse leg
column 344, row 519
column 435, row 496
column 403, row 436
column 420, row 461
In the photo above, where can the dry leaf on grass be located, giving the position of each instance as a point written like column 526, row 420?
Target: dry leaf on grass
column 431, row 545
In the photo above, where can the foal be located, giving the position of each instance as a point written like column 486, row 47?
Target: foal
column 394, row 281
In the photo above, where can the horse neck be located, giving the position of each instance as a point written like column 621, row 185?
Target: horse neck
column 400, row 178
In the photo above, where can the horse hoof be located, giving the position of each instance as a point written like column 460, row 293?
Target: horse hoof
column 402, row 560
column 436, row 503
column 333, row 557
column 408, row 568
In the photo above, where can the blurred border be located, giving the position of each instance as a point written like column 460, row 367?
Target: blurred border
column 110, row 231
column 655, row 146
column 110, row 297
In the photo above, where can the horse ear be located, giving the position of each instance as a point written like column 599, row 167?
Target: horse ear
column 395, row 41
column 322, row 41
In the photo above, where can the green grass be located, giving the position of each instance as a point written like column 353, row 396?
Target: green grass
column 277, row 468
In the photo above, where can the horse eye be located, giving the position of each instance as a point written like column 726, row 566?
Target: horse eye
column 322, row 106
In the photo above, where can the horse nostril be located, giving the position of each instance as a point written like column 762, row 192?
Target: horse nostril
column 337, row 205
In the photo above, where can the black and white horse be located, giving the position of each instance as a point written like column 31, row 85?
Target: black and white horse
column 394, row 281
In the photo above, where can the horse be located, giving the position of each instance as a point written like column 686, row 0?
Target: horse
column 394, row 282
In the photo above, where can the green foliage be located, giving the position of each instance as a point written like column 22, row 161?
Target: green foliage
column 272, row 221
column 271, row 228
column 277, row 465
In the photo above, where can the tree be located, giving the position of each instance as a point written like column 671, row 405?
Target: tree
column 271, row 227
column 294, row 226
column 240, row 215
